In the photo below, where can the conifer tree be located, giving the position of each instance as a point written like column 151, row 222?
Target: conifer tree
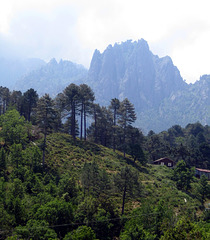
column 30, row 99
column 114, row 107
column 2, row 162
column 16, row 154
column 127, row 117
column 134, row 143
column 126, row 182
column 47, row 118
column 70, row 103
column 86, row 102
column 100, row 130
column 96, row 114
column 16, row 100
column 4, row 99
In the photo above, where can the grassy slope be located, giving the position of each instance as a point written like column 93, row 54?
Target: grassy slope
column 65, row 155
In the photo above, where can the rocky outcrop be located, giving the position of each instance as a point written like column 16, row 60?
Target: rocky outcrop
column 154, row 85
column 131, row 70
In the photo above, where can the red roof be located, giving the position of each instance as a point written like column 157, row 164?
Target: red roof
column 162, row 159
column 203, row 170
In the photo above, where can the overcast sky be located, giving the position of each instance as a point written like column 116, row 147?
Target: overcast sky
column 73, row 29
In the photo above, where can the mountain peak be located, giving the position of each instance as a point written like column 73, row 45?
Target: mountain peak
column 53, row 62
column 143, row 43
column 129, row 69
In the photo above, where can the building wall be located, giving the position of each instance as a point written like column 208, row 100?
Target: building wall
column 165, row 162
column 200, row 173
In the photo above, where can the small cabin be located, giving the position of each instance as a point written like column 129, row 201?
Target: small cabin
column 165, row 162
column 199, row 172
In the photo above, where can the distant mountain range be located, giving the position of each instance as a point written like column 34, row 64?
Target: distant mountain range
column 154, row 85
column 52, row 77
column 11, row 70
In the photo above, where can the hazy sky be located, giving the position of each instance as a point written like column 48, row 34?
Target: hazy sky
column 73, row 29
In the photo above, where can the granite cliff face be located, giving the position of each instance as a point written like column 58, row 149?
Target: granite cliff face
column 154, row 85
column 131, row 70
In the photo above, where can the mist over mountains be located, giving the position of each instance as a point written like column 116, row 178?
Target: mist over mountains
column 52, row 77
column 128, row 70
column 11, row 70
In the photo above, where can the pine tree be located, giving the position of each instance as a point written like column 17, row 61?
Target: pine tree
column 2, row 162
column 16, row 154
column 100, row 130
column 47, row 118
column 126, row 182
column 30, row 99
column 16, row 100
column 114, row 107
column 86, row 102
column 69, row 101
column 127, row 117
column 134, row 143
column 96, row 114
column 4, row 99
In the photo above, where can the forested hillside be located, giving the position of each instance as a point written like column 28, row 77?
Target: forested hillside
column 63, row 179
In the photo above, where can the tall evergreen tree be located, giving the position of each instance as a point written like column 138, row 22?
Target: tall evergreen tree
column 16, row 100
column 114, row 107
column 2, row 162
column 96, row 114
column 134, row 143
column 4, row 99
column 47, row 118
column 86, row 101
column 126, row 182
column 70, row 104
column 16, row 154
column 127, row 117
column 100, row 130
column 30, row 99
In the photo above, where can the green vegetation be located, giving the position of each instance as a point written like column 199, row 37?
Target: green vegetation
column 54, row 185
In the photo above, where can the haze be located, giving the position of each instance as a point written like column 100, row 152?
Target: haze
column 74, row 29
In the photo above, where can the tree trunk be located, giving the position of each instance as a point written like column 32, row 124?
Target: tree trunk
column 44, row 148
column 29, row 113
column 81, row 123
column 4, row 106
column 124, row 195
column 124, row 141
column 73, row 124
column 85, row 132
column 96, row 130
column 114, row 130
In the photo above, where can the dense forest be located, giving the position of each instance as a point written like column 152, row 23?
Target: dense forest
column 72, row 169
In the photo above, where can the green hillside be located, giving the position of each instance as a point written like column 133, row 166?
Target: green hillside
column 64, row 154
column 54, row 185
column 78, row 194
